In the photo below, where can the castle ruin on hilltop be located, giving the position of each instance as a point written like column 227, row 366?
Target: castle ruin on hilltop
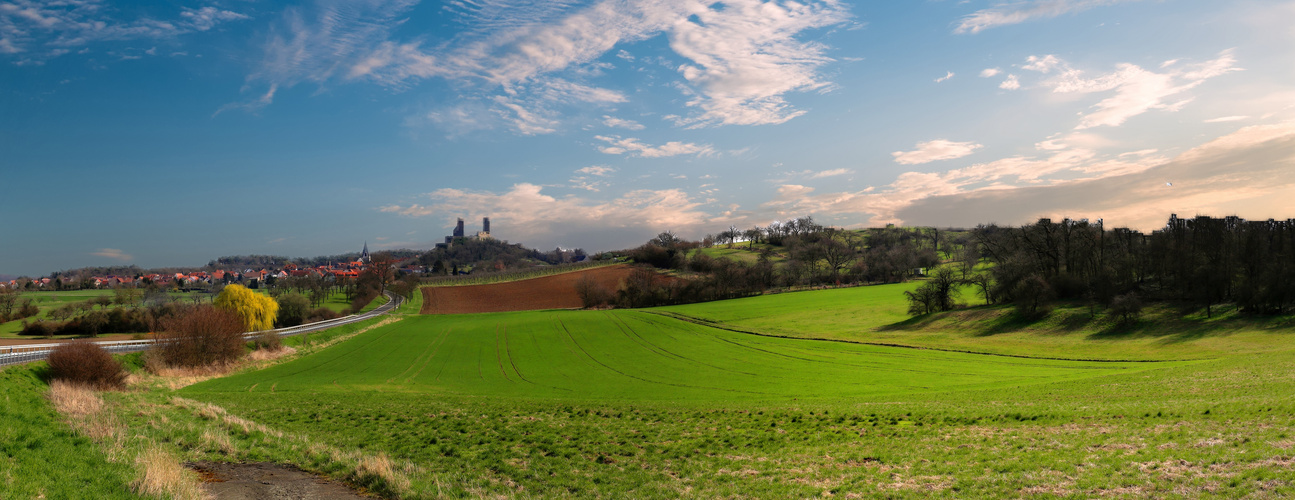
column 459, row 233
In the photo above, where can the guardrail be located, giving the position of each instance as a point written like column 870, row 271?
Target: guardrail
column 12, row 355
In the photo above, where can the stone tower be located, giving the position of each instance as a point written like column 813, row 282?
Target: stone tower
column 485, row 225
column 458, row 230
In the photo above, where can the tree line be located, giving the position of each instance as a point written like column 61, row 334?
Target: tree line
column 795, row 253
column 1202, row 261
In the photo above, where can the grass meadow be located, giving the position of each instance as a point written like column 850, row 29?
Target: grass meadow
column 642, row 404
column 791, row 395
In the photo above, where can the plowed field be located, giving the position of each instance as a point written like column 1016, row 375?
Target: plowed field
column 549, row 292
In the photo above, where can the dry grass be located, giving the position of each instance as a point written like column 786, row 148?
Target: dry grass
column 86, row 413
column 264, row 355
column 164, row 477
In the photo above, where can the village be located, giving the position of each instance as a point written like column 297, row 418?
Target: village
column 198, row 279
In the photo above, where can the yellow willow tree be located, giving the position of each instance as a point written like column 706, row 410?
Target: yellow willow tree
column 257, row 311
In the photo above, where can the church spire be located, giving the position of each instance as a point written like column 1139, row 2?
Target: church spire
column 364, row 254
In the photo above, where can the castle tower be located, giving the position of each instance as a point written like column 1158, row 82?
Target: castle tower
column 485, row 225
column 458, row 230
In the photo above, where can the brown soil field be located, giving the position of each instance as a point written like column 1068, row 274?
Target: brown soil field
column 549, row 292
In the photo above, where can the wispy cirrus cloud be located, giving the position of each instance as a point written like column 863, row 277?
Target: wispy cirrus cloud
column 1135, row 90
column 634, row 147
column 599, row 170
column 743, row 56
column 937, row 150
column 612, row 121
column 38, row 31
column 1023, row 11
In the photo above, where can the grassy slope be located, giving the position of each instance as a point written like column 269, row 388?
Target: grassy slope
column 668, row 409
column 740, row 253
column 878, row 314
column 633, row 355
column 40, row 457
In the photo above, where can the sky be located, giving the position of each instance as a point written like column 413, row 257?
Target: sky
column 173, row 133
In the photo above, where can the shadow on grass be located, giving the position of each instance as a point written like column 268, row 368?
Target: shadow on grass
column 1169, row 323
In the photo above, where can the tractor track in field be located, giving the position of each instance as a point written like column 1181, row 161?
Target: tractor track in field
column 605, row 365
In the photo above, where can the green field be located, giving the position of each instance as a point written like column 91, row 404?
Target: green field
column 877, row 314
column 633, row 355
column 741, row 252
column 637, row 403
column 753, row 398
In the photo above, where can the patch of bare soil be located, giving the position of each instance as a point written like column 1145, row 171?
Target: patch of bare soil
column 549, row 292
column 266, row 481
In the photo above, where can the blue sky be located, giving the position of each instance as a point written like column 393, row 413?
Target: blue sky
column 168, row 134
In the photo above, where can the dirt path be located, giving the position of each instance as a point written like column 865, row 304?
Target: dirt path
column 549, row 292
column 265, row 481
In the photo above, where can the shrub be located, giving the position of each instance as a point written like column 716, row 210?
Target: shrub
column 86, row 363
column 322, row 314
column 1033, row 297
column 363, row 296
column 293, row 309
column 592, row 294
column 28, row 309
column 268, row 341
column 200, row 336
column 1128, row 307
column 37, row 329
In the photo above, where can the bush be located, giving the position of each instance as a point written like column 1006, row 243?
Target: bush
column 1033, row 297
column 200, row 336
column 37, row 329
column 1128, row 307
column 363, row 296
column 88, row 364
column 322, row 314
column 592, row 294
column 293, row 309
column 268, row 341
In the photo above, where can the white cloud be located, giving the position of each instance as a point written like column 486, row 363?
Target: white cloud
column 112, row 253
column 525, row 212
column 208, row 17
column 525, row 121
column 936, row 150
column 1226, row 119
column 612, row 121
column 625, row 55
column 944, row 78
column 635, row 147
column 831, row 173
column 1011, row 83
column 744, row 56
column 1019, row 12
column 1250, row 170
column 990, row 72
column 1247, row 173
column 414, row 210
column 599, row 170
column 1136, row 90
